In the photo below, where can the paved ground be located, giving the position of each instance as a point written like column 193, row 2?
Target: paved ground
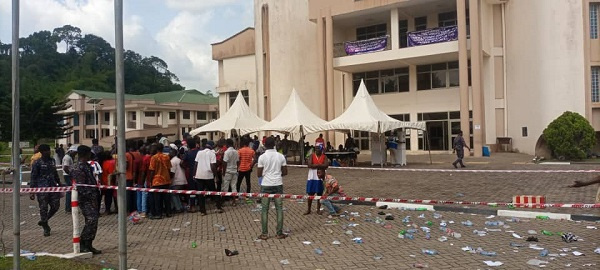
column 166, row 244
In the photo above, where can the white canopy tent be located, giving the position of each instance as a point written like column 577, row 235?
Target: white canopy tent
column 294, row 118
column 363, row 115
column 239, row 117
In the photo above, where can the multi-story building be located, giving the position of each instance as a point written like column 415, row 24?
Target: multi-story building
column 493, row 68
column 169, row 113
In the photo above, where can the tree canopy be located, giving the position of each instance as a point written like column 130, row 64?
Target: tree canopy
column 83, row 62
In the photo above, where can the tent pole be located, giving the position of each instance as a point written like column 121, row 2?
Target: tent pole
column 301, row 145
column 428, row 146
column 380, row 147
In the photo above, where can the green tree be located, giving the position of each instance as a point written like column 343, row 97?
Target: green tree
column 68, row 34
column 570, row 136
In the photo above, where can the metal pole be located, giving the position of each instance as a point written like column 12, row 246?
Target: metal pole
column 16, row 140
column 95, row 122
column 122, row 163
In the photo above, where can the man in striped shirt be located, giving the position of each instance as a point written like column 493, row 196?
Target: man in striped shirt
column 247, row 161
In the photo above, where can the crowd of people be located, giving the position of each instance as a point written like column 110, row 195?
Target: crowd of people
column 191, row 164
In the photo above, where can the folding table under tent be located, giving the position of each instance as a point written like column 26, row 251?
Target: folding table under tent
column 363, row 115
column 239, row 117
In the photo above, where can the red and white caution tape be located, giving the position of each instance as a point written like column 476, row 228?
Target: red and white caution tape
column 454, row 170
column 305, row 197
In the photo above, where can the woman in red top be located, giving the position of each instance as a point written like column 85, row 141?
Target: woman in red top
column 314, row 184
column 108, row 165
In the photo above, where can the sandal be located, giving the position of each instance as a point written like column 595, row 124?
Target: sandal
column 263, row 237
column 281, row 236
column 230, row 253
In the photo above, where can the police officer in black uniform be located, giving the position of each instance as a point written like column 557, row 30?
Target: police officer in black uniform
column 81, row 173
column 44, row 174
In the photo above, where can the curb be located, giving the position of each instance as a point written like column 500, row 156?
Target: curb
column 504, row 213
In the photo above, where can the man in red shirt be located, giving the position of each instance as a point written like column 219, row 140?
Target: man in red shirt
column 131, row 176
column 320, row 142
column 246, row 163
column 160, row 173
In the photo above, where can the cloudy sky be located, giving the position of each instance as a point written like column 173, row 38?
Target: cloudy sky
column 178, row 31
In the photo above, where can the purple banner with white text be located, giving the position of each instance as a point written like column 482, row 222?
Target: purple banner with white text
column 431, row 36
column 365, row 46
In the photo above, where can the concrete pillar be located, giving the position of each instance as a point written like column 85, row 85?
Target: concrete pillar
column 139, row 120
column 463, row 68
column 321, row 62
column 329, row 67
column 476, row 85
column 395, row 35
column 112, row 123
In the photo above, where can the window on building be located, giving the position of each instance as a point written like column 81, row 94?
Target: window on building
column 421, row 23
column 182, row 130
column 75, row 120
column 382, row 81
column 594, row 10
column 442, row 75
column 106, row 116
column 149, row 114
column 596, row 84
column 89, row 133
column 172, row 115
column 447, row 19
column 76, row 136
column 233, row 95
column 186, row 115
column 214, row 115
column 89, row 118
column 371, row 31
column 201, row 115
column 133, row 116
column 403, row 31
column 362, row 139
column 105, row 132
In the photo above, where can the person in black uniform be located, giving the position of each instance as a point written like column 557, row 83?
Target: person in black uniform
column 82, row 173
column 44, row 174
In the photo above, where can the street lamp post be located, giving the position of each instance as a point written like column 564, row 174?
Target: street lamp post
column 94, row 102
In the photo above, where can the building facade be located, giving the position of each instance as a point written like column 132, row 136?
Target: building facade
column 503, row 69
column 169, row 113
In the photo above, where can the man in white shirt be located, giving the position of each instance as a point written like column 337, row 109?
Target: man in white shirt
column 179, row 180
column 272, row 166
column 230, row 175
column 67, row 162
column 206, row 168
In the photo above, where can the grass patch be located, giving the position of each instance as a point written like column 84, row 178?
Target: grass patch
column 47, row 263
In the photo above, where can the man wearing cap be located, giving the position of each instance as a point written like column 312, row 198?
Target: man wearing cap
column 44, row 174
column 67, row 162
column 206, row 169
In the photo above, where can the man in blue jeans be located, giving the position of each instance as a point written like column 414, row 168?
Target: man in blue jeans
column 332, row 188
column 272, row 166
column 67, row 162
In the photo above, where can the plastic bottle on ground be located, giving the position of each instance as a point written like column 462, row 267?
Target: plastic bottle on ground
column 544, row 253
column 318, row 251
column 429, row 251
column 488, row 253
column 467, row 223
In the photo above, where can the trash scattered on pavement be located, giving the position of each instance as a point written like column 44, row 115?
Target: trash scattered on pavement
column 443, row 239
column 577, row 253
column 230, row 253
column 544, row 253
column 531, row 239
column 494, row 223
column 349, row 232
column 512, row 244
column 194, row 244
column 336, row 243
column 535, row 247
column 467, row 223
column 591, row 227
column 493, row 263
column 480, row 233
column 378, row 257
column 284, row 262
column 545, row 232
column 532, row 232
column 536, row 262
column 221, row 227
column 542, row 217
column 187, row 224
column 318, row 251
column 437, row 215
column 176, row 229
column 31, row 257
column 22, row 223
column 307, row 242
column 569, row 237
column 490, row 216
column 517, row 236
column 383, row 206
column 429, row 251
column 597, row 250
column 420, row 265
column 357, row 240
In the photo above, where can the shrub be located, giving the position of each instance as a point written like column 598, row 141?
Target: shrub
column 570, row 136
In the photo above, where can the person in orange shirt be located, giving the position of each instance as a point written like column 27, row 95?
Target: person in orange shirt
column 160, row 173
column 108, row 169
column 246, row 163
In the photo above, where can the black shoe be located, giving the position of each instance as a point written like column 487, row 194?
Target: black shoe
column 45, row 227
column 463, row 166
column 455, row 167
column 92, row 249
column 83, row 247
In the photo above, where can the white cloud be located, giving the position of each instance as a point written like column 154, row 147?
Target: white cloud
column 185, row 44
column 199, row 4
